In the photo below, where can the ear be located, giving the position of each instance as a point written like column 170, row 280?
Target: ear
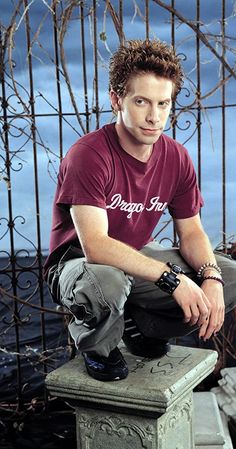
column 115, row 101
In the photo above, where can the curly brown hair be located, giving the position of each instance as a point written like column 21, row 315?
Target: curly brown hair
column 143, row 56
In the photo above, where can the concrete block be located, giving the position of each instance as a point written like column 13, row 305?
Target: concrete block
column 225, row 402
column 229, row 374
column 228, row 442
column 209, row 431
column 228, row 382
column 227, row 388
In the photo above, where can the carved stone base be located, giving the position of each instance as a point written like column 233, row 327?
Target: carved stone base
column 175, row 427
column 101, row 430
column 151, row 409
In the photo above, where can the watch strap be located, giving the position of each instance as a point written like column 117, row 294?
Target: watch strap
column 168, row 282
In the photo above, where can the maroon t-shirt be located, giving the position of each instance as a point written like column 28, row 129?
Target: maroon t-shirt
column 97, row 171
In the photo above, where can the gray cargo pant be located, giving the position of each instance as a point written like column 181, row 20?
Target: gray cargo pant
column 98, row 294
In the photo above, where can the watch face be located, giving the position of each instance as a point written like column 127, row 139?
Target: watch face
column 165, row 285
column 168, row 282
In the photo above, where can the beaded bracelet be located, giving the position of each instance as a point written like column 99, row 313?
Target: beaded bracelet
column 214, row 278
column 208, row 265
column 209, row 269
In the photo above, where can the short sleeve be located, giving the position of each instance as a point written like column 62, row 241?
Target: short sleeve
column 82, row 178
column 187, row 199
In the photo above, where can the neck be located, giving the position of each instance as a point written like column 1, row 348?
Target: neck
column 130, row 145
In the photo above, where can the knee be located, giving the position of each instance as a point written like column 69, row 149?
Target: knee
column 114, row 284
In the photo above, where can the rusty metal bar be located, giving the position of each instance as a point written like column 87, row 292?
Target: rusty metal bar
column 224, row 237
column 198, row 95
column 95, row 57
column 121, row 15
column 104, row 111
column 59, row 100
column 147, row 18
column 223, row 130
column 83, row 50
column 11, row 223
column 173, row 45
column 36, row 181
column 175, row 237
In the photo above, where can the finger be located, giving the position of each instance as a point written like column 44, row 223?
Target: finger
column 204, row 310
column 203, row 328
column 205, row 299
column 212, row 326
column 195, row 314
column 221, row 320
column 203, row 318
column 187, row 314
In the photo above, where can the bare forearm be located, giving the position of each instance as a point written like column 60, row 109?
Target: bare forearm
column 91, row 225
column 108, row 251
column 196, row 250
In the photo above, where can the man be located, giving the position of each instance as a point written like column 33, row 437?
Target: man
column 113, row 186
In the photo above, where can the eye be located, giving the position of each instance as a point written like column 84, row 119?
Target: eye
column 140, row 101
column 164, row 104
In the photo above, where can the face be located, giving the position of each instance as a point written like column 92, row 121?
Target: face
column 143, row 112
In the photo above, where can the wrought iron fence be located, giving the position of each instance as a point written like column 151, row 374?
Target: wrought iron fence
column 54, row 56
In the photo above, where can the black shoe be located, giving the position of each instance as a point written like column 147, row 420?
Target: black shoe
column 140, row 345
column 113, row 367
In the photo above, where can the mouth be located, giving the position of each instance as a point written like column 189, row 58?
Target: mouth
column 151, row 130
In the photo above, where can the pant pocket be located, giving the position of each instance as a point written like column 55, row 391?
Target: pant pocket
column 80, row 295
column 71, row 272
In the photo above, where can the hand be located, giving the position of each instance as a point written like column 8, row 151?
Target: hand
column 214, row 292
column 193, row 301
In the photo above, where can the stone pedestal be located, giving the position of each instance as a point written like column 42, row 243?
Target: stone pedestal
column 151, row 409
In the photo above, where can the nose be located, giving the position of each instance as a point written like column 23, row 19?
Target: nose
column 153, row 115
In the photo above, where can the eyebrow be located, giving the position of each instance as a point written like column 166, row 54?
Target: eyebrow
column 150, row 99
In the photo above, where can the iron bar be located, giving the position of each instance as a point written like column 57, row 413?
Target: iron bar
column 173, row 45
column 95, row 58
column 36, row 181
column 105, row 111
column 223, row 130
column 84, row 67
column 59, row 100
column 198, row 95
column 5, row 136
column 173, row 122
column 223, row 155
column 121, row 18
column 147, row 19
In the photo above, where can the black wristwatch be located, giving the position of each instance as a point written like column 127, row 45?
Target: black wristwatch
column 168, row 281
